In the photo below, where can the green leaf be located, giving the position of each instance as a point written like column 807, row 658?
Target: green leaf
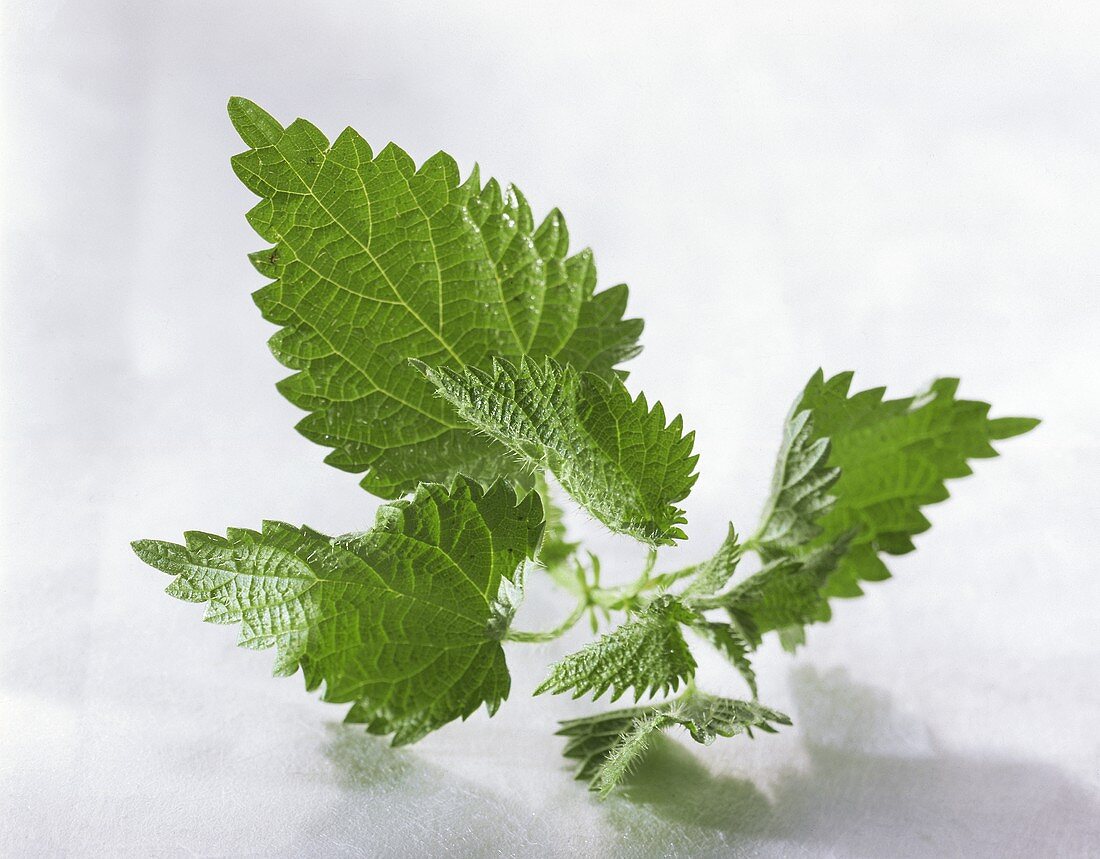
column 714, row 574
column 376, row 261
column 631, row 745
column 894, row 457
column 612, row 453
column 608, row 745
column 792, row 637
column 404, row 620
column 800, row 484
column 648, row 654
column 856, row 469
column 787, row 591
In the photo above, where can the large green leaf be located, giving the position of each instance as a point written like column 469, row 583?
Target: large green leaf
column 376, row 261
column 404, row 620
column 610, row 451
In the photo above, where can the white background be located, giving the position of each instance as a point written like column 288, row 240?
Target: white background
column 902, row 189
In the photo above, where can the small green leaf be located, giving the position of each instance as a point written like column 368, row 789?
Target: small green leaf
column 612, row 453
column 894, row 458
column 786, row 591
column 862, row 467
column 648, row 653
column 404, row 620
column 714, row 574
column 629, row 749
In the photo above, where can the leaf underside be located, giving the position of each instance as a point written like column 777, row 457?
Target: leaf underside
column 613, row 454
column 800, row 488
column 376, row 261
column 607, row 746
column 403, row 621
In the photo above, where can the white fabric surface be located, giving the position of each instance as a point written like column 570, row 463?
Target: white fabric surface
column 903, row 189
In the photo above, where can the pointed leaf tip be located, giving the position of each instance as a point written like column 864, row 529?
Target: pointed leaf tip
column 255, row 125
column 1002, row 428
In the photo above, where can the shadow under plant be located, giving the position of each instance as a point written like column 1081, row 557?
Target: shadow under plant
column 429, row 807
column 875, row 783
column 915, row 800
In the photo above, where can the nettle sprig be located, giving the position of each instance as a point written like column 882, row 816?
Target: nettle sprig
column 453, row 351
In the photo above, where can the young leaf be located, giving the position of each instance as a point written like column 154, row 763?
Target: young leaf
column 647, row 654
column 894, row 457
column 608, row 745
column 376, row 261
column 404, row 620
column 630, row 747
column 786, row 592
column 714, row 573
column 612, row 453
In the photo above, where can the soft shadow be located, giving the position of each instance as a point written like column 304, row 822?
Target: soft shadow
column 669, row 784
column 875, row 783
column 392, row 802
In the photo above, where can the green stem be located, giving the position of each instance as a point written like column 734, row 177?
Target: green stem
column 701, row 603
column 666, row 579
column 549, row 635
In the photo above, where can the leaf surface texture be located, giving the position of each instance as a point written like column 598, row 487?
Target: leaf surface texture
column 611, row 452
column 858, row 469
column 647, row 653
column 374, row 261
column 404, row 620
column 607, row 746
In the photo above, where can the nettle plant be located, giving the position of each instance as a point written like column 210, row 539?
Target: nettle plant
column 450, row 348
